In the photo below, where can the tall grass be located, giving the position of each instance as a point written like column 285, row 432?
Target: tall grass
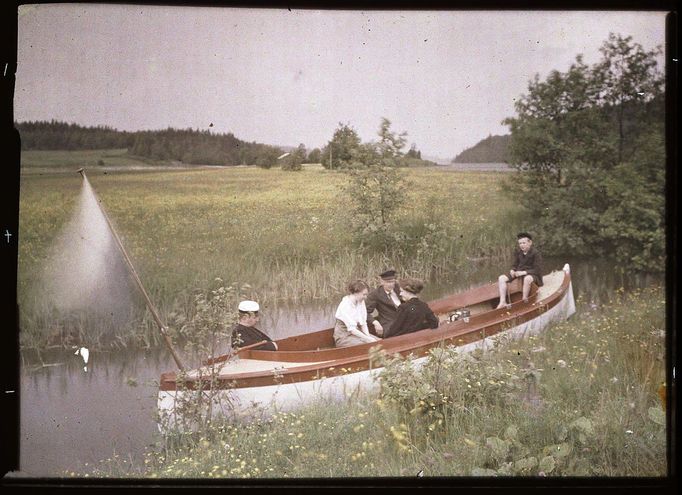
column 580, row 399
column 285, row 234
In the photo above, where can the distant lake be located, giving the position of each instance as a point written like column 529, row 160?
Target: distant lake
column 477, row 167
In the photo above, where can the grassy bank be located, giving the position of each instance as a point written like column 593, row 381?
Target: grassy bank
column 60, row 160
column 284, row 234
column 580, row 399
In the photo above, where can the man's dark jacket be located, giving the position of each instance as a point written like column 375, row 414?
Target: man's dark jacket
column 243, row 336
column 382, row 302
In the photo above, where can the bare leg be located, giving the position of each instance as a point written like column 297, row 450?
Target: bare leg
column 502, row 286
column 527, row 280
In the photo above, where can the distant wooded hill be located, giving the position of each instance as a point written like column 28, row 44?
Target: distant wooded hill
column 183, row 145
column 493, row 149
column 189, row 146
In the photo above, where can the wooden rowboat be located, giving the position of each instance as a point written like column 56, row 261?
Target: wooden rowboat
column 308, row 367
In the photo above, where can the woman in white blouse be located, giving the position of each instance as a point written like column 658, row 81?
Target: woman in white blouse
column 351, row 317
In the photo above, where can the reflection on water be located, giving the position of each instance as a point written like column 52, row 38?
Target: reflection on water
column 596, row 282
column 593, row 282
column 286, row 320
column 477, row 167
column 70, row 417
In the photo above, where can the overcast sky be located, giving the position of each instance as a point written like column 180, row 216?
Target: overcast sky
column 284, row 78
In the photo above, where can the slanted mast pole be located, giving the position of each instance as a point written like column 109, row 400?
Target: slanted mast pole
column 162, row 328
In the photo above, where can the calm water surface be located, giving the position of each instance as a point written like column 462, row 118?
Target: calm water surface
column 72, row 418
column 478, row 167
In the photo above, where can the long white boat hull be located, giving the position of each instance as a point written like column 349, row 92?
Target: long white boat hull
column 265, row 400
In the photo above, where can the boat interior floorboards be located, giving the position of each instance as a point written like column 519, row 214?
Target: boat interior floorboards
column 251, row 365
column 551, row 284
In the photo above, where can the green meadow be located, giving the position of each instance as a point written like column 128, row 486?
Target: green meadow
column 286, row 236
column 61, row 160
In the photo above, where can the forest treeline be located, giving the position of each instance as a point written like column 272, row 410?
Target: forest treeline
column 493, row 149
column 200, row 147
column 183, row 145
column 55, row 135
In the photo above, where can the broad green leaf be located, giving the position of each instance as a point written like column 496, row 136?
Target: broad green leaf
column 526, row 463
column 498, row 446
column 657, row 415
column 506, row 469
column 547, row 464
column 583, row 424
column 559, row 450
column 511, row 432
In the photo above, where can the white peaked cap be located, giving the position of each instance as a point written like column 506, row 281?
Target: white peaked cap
column 249, row 306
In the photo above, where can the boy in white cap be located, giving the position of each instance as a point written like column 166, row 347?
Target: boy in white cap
column 245, row 332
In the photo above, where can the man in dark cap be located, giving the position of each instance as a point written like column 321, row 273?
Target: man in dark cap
column 245, row 332
column 527, row 265
column 385, row 300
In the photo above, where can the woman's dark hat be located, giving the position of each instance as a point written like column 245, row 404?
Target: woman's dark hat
column 412, row 285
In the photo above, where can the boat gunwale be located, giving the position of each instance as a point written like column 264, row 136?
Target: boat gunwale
column 407, row 339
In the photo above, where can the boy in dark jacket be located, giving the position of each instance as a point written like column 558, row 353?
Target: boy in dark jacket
column 527, row 265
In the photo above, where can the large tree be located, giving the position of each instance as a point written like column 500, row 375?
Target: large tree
column 376, row 187
column 315, row 156
column 390, row 144
column 588, row 145
column 293, row 162
column 338, row 153
column 627, row 76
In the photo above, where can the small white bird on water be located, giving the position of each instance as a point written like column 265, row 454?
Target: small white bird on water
column 85, row 354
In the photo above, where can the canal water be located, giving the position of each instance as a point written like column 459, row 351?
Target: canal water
column 72, row 417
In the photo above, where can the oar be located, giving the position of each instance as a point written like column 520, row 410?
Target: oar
column 225, row 357
column 251, row 346
column 152, row 309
